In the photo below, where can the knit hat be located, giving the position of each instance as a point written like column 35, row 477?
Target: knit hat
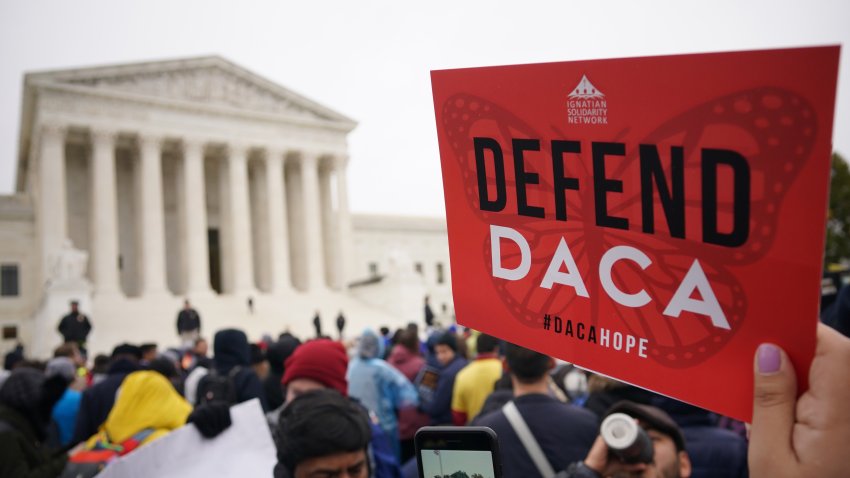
column 22, row 390
column 651, row 418
column 322, row 360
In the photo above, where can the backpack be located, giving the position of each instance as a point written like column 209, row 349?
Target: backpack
column 215, row 387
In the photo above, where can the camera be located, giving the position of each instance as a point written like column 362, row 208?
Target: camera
column 626, row 439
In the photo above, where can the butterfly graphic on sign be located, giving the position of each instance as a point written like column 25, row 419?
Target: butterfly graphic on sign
column 777, row 128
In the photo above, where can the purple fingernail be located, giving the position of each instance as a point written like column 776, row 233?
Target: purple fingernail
column 769, row 359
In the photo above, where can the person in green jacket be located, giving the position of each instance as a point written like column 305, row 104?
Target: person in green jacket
column 26, row 399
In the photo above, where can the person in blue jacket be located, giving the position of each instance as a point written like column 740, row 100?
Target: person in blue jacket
column 445, row 349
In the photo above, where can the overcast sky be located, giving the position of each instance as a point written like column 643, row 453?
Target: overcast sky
column 370, row 60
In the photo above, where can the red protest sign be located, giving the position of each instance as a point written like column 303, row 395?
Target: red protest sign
column 651, row 219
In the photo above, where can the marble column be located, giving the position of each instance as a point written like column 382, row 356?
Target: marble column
column 152, row 232
column 312, row 222
column 195, row 246
column 53, row 212
column 277, row 228
column 240, row 220
column 344, row 237
column 104, row 216
column 329, row 225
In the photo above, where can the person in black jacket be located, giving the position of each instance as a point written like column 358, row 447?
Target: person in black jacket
column 231, row 351
column 564, row 432
column 188, row 324
column 26, row 399
column 277, row 354
column 75, row 327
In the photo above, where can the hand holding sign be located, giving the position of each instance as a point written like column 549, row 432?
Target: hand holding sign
column 791, row 437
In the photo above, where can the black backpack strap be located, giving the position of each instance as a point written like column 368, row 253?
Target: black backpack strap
column 233, row 397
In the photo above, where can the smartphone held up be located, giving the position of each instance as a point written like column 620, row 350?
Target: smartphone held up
column 445, row 451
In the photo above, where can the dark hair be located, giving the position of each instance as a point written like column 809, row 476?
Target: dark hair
column 164, row 366
column 257, row 354
column 448, row 339
column 101, row 363
column 408, row 339
column 145, row 348
column 526, row 365
column 13, row 358
column 68, row 349
column 385, row 331
column 486, row 343
column 321, row 423
column 126, row 350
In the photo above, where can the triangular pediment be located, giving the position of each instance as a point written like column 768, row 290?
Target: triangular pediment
column 211, row 81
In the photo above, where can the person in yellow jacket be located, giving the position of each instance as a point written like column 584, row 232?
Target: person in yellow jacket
column 147, row 407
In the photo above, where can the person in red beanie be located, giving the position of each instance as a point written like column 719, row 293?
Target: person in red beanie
column 322, row 364
column 314, row 365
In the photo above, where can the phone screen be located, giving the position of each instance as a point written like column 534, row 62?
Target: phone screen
column 457, row 463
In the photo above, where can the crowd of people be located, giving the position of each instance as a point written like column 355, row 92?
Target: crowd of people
column 351, row 408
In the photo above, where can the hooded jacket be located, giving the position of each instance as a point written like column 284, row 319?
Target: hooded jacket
column 232, row 350
column 146, row 401
column 378, row 386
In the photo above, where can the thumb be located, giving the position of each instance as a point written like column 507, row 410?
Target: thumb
column 774, row 402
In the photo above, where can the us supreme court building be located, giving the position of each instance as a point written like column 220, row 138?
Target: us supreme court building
column 141, row 185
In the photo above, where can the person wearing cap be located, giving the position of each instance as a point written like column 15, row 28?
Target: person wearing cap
column 316, row 364
column 445, row 350
column 669, row 459
column 713, row 450
column 75, row 327
column 322, row 364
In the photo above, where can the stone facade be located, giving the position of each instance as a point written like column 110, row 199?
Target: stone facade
column 192, row 178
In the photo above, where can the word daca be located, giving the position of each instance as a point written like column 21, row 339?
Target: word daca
column 618, row 341
column 562, row 258
column 670, row 191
